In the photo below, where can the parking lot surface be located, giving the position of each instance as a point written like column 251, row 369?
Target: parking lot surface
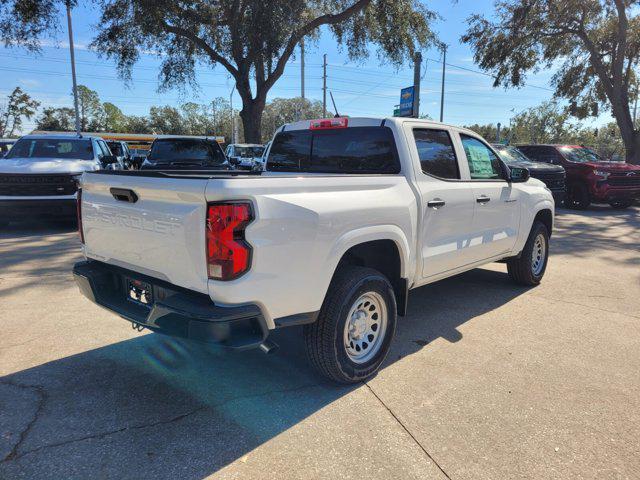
column 484, row 380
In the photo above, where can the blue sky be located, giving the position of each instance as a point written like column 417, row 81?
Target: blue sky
column 364, row 89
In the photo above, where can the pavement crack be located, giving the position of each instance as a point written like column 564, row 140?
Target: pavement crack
column 42, row 399
column 15, row 456
column 404, row 427
column 108, row 433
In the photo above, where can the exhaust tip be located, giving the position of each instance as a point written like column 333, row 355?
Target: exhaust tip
column 268, row 346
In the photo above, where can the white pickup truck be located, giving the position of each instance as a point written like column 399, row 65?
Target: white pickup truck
column 350, row 215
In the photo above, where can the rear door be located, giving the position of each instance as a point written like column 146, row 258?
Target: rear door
column 160, row 234
column 497, row 203
column 446, row 201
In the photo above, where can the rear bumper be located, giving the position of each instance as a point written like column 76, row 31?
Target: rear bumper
column 175, row 311
column 19, row 209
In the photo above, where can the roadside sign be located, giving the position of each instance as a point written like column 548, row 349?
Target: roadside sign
column 406, row 102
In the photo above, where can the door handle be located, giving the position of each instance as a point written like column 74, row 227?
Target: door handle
column 435, row 203
column 482, row 199
column 124, row 195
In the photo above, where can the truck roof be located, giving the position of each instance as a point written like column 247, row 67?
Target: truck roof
column 372, row 122
column 70, row 136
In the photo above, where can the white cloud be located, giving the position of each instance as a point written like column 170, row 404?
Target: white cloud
column 29, row 82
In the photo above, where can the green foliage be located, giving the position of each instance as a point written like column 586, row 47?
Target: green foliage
column 56, row 120
column 114, row 119
column 19, row 105
column 594, row 45
column 551, row 123
column 287, row 110
column 91, row 110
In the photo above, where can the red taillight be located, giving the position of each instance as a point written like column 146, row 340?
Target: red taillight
column 329, row 123
column 228, row 254
column 79, row 211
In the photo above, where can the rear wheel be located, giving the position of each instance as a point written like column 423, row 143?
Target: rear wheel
column 578, row 196
column 529, row 268
column 621, row 204
column 353, row 332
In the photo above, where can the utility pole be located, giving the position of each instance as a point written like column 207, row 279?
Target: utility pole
column 324, row 86
column 73, row 68
column 233, row 117
column 302, row 68
column 498, row 133
column 444, row 64
column 417, row 66
column 635, row 106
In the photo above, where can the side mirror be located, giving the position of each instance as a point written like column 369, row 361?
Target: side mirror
column 109, row 159
column 518, row 174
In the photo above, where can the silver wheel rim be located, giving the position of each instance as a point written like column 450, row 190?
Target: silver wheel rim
column 538, row 254
column 365, row 328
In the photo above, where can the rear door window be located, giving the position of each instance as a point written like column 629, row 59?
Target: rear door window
column 436, row 153
column 365, row 150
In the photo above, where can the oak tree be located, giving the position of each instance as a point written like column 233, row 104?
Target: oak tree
column 252, row 39
column 593, row 44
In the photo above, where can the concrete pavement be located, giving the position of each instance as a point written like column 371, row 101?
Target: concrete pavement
column 485, row 379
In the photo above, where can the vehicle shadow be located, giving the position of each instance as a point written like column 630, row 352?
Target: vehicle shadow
column 163, row 408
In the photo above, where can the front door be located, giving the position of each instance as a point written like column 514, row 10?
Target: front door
column 497, row 203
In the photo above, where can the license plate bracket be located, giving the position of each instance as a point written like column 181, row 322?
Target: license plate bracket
column 139, row 292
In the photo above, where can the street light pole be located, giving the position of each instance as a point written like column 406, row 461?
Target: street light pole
column 73, row 68
column 324, row 86
column 302, row 68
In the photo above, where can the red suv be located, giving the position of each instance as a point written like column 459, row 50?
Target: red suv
column 589, row 177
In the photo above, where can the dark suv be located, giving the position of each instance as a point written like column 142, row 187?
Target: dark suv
column 188, row 153
column 590, row 178
column 553, row 176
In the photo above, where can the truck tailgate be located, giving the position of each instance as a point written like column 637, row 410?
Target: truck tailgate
column 161, row 234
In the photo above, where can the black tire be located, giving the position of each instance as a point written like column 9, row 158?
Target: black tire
column 578, row 196
column 621, row 204
column 522, row 270
column 325, row 341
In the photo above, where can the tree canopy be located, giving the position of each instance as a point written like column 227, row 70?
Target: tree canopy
column 18, row 106
column 593, row 44
column 252, row 39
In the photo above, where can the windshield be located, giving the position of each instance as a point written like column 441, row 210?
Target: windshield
column 511, row 155
column 71, row 149
column 248, row 152
column 115, row 148
column 580, row 155
column 186, row 151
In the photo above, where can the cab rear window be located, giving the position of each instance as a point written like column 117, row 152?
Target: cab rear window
column 363, row 150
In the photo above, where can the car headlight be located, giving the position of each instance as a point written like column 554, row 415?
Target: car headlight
column 601, row 173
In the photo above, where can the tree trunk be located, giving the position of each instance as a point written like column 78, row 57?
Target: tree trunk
column 633, row 151
column 251, row 115
column 630, row 136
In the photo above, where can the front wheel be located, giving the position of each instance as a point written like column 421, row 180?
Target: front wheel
column 578, row 196
column 621, row 204
column 529, row 268
column 353, row 332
